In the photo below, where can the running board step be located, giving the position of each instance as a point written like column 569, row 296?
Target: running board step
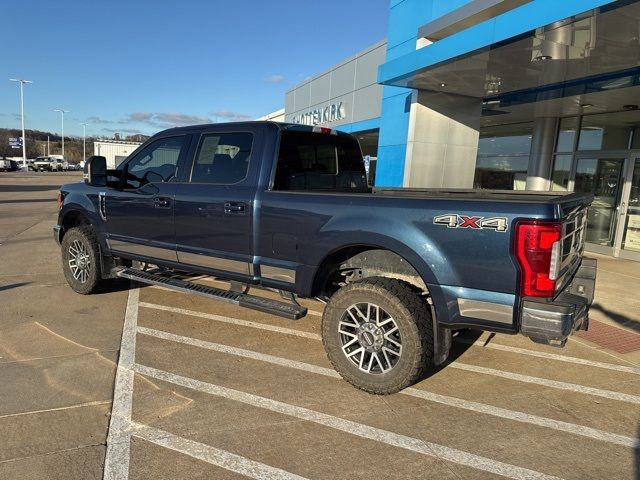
column 274, row 307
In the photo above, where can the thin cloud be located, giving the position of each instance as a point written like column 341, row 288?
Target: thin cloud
column 140, row 116
column 99, row 121
column 229, row 116
column 166, row 119
column 275, row 78
column 180, row 119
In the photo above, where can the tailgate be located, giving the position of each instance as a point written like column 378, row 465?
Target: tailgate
column 574, row 221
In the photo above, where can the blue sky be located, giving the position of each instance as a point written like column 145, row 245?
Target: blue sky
column 142, row 66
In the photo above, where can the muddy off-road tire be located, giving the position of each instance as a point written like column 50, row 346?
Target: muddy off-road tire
column 378, row 334
column 81, row 260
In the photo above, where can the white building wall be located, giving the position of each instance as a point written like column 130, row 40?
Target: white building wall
column 277, row 116
column 114, row 151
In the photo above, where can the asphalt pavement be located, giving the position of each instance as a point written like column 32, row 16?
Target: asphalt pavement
column 206, row 390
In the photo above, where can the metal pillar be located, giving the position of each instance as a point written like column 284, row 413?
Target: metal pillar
column 541, row 156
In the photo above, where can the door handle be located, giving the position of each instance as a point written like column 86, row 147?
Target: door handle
column 161, row 202
column 234, row 207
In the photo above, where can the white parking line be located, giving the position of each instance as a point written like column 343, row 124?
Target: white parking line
column 414, row 392
column 551, row 356
column 364, row 431
column 116, row 464
column 58, row 409
column 233, row 321
column 496, row 346
column 623, row 397
column 239, row 352
column 545, row 382
column 214, row 456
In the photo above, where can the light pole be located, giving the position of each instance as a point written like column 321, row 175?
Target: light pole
column 24, row 140
column 62, row 112
column 84, row 141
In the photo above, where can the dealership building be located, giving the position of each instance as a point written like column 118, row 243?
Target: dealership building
column 498, row 94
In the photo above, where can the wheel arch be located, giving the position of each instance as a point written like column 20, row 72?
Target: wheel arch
column 73, row 218
column 363, row 260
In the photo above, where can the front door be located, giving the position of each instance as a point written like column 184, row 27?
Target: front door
column 630, row 212
column 613, row 223
column 139, row 217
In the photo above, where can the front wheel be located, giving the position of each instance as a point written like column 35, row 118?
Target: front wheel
column 81, row 260
column 378, row 334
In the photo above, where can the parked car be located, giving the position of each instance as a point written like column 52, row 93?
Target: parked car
column 43, row 164
column 288, row 207
column 26, row 165
column 57, row 163
column 5, row 165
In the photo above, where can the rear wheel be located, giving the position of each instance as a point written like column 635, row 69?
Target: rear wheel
column 81, row 260
column 378, row 335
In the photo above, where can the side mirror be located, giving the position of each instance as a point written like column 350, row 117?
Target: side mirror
column 95, row 171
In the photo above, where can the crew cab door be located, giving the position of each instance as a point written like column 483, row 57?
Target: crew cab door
column 139, row 217
column 214, row 208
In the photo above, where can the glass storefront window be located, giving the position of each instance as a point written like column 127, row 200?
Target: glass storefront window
column 608, row 131
column 503, row 156
column 561, row 172
column 567, row 134
column 631, row 240
column 603, row 178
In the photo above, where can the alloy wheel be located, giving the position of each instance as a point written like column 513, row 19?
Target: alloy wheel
column 79, row 261
column 370, row 338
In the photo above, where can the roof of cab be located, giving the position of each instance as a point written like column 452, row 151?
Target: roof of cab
column 253, row 123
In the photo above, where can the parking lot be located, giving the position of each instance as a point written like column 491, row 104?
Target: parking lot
column 208, row 390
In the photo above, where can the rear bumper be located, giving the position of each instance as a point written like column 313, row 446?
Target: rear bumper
column 552, row 321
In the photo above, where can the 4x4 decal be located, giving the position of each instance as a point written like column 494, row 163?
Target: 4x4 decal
column 453, row 220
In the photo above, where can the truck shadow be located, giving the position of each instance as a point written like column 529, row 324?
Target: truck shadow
column 461, row 342
column 119, row 285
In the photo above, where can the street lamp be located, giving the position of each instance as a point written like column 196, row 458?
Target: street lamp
column 84, row 141
column 24, row 140
column 62, row 112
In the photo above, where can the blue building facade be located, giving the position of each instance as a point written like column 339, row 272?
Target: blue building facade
column 499, row 94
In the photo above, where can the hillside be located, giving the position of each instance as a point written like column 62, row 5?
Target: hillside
column 37, row 144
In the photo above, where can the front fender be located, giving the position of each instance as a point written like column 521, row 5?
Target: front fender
column 86, row 205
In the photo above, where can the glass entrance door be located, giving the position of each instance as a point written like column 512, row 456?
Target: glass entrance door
column 630, row 212
column 603, row 176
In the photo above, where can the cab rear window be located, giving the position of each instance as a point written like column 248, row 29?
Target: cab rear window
column 319, row 162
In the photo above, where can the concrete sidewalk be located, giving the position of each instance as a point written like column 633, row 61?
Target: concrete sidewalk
column 615, row 313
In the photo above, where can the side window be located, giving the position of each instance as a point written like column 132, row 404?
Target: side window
column 222, row 158
column 157, row 163
column 319, row 162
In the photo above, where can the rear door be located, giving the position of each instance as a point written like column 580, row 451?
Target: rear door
column 139, row 217
column 214, row 208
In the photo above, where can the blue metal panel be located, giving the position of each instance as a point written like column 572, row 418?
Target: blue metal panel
column 390, row 166
column 405, row 18
column 360, row 126
column 503, row 27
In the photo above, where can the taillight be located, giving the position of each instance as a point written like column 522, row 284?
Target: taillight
column 59, row 200
column 538, row 249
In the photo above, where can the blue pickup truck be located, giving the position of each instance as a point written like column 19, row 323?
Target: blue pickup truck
column 288, row 208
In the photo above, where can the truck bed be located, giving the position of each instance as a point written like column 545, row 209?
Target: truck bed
column 520, row 196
